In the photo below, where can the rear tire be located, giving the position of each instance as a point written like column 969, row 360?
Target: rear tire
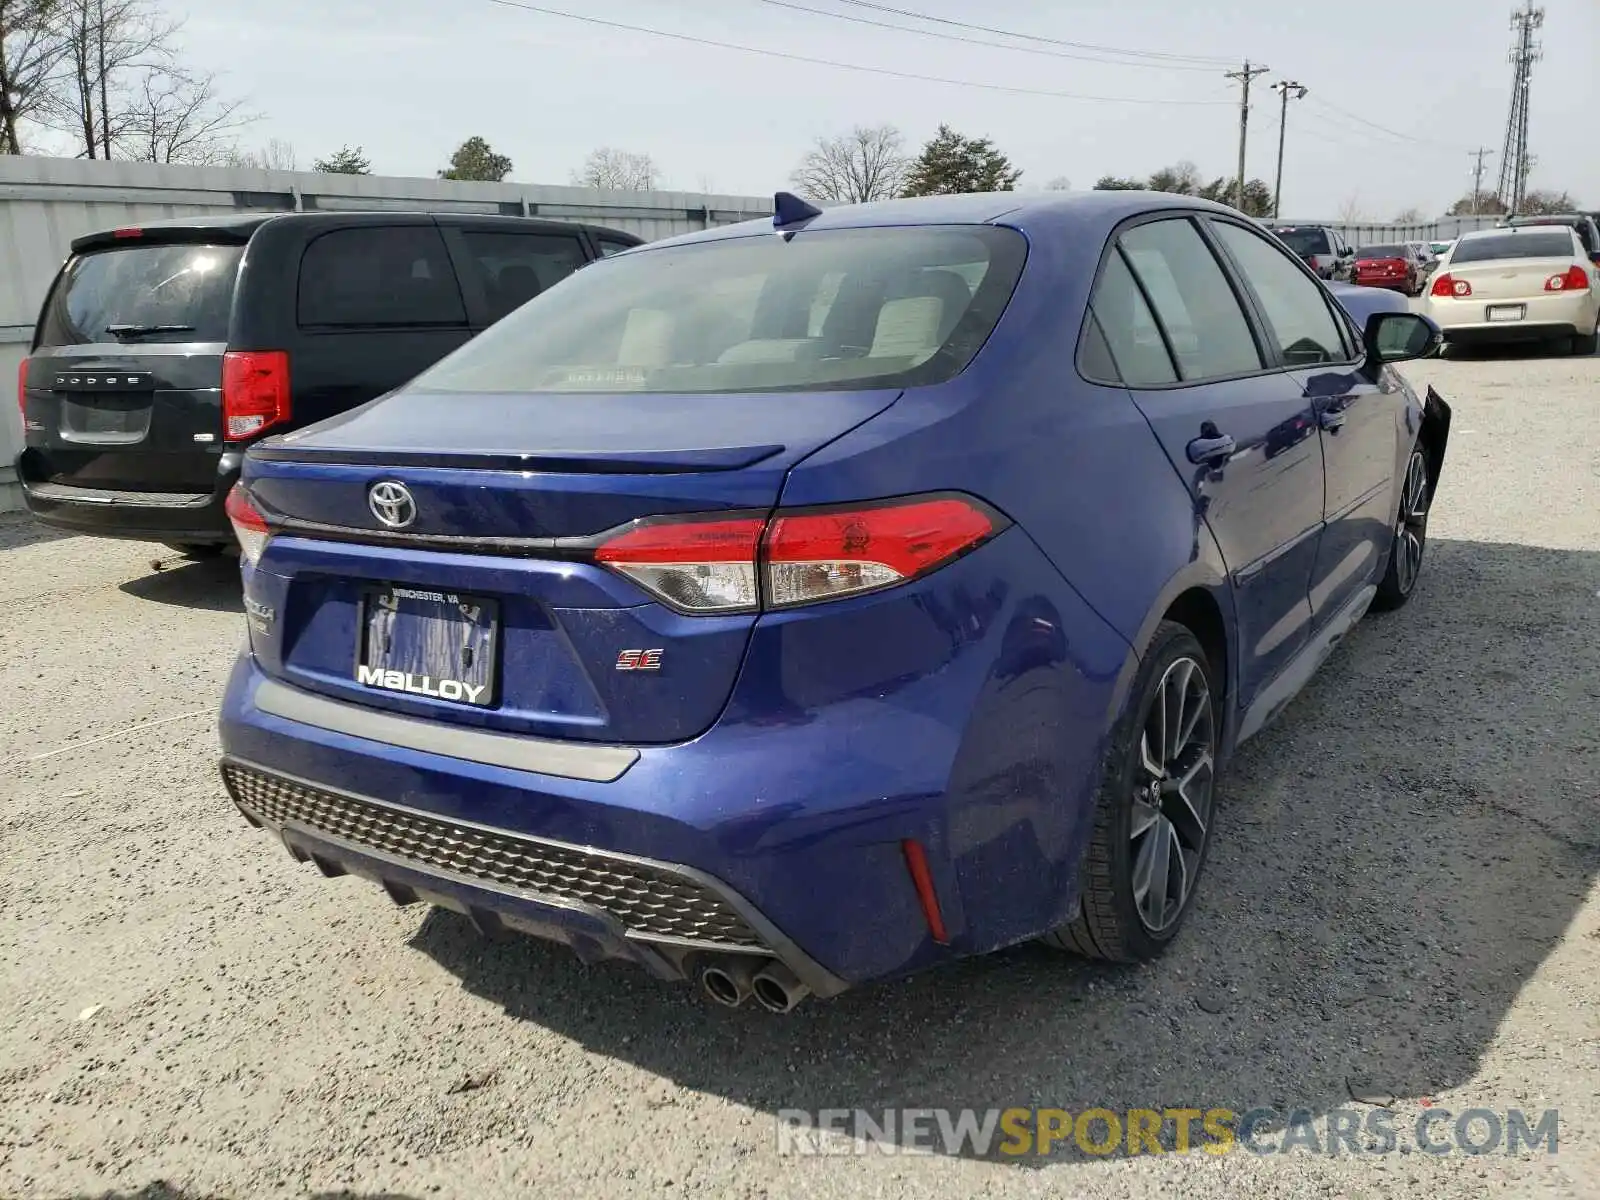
column 1410, row 540
column 197, row 550
column 1154, row 810
column 1586, row 343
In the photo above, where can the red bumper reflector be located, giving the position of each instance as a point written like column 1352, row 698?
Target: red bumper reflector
column 922, row 878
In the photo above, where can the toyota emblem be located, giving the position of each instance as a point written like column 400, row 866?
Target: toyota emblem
column 392, row 504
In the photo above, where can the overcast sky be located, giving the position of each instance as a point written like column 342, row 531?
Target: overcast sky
column 408, row 80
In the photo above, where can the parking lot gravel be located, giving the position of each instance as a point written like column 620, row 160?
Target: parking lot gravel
column 1400, row 910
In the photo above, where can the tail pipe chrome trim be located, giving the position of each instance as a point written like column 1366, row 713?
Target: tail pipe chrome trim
column 777, row 988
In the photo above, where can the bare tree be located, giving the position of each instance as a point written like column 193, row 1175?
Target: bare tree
column 1059, row 184
column 617, row 170
column 111, row 46
column 1408, row 216
column 173, row 116
column 868, row 163
column 276, row 155
column 1350, row 210
column 31, row 51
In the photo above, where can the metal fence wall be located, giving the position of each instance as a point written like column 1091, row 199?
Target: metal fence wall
column 1369, row 233
column 46, row 202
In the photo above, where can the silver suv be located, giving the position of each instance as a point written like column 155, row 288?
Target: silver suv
column 1323, row 248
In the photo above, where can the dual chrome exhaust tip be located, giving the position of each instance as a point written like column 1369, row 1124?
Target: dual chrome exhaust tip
column 733, row 980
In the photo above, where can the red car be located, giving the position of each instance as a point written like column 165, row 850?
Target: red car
column 1392, row 266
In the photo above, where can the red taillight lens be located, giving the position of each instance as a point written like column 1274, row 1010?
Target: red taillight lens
column 1574, row 279
column 1446, row 285
column 255, row 392
column 131, row 231
column 718, row 564
column 817, row 556
column 22, row 386
column 249, row 526
column 701, row 565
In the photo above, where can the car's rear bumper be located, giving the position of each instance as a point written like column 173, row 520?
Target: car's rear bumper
column 1465, row 321
column 973, row 725
column 177, row 517
column 1388, row 283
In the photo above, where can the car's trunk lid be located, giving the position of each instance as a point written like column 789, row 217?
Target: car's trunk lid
column 506, row 492
column 1509, row 278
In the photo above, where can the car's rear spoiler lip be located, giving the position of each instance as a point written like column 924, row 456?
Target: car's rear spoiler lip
column 164, row 235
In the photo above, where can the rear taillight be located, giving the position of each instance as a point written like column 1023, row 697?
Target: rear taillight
column 741, row 564
column 817, row 556
column 701, row 565
column 1446, row 285
column 1574, row 279
column 249, row 526
column 255, row 392
column 22, row 386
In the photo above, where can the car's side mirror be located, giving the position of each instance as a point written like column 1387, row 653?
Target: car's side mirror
column 1399, row 337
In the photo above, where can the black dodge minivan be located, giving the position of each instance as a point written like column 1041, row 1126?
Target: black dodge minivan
column 163, row 351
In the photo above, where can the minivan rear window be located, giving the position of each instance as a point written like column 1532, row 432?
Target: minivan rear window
column 1304, row 241
column 819, row 310
column 1555, row 244
column 146, row 293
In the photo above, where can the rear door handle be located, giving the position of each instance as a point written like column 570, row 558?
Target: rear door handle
column 1211, row 447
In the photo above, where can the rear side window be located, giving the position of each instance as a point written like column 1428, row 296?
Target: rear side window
column 610, row 246
column 173, row 293
column 1193, row 300
column 821, row 310
column 1555, row 244
column 516, row 267
column 1130, row 328
column 379, row 276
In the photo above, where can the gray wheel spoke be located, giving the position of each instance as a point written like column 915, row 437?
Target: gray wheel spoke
column 1143, row 861
column 1202, row 702
column 1147, row 760
column 1178, row 690
column 1159, row 876
column 1189, row 807
column 1145, row 815
column 1180, row 863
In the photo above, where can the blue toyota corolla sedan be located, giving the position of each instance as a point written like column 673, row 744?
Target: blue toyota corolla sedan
column 807, row 602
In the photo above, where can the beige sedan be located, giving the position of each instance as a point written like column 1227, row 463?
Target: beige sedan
column 1532, row 284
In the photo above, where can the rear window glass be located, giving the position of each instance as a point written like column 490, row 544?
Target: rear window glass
column 830, row 309
column 1304, row 241
column 1381, row 252
column 173, row 293
column 1533, row 244
column 379, row 276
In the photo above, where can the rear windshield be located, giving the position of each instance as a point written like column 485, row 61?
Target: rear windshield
column 1381, row 252
column 173, row 293
column 1304, row 241
column 1532, row 244
column 831, row 309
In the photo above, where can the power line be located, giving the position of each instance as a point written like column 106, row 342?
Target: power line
column 844, row 66
column 1481, row 153
column 1155, row 65
column 1212, row 60
column 1344, row 112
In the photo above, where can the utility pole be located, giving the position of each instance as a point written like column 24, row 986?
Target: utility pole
column 1480, row 154
column 1284, row 87
column 1244, row 77
column 1514, row 161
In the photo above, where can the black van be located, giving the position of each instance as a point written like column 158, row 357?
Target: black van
column 163, row 351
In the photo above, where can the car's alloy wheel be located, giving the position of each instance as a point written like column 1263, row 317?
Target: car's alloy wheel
column 1410, row 535
column 1172, row 796
column 1154, row 810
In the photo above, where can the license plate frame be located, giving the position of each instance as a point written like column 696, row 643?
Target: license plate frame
column 1497, row 313
column 427, row 642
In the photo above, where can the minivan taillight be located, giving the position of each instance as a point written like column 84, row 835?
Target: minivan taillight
column 1445, row 285
column 712, row 564
column 249, row 526
column 1575, row 279
column 255, row 392
column 22, row 386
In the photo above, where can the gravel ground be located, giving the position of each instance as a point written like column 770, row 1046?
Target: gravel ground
column 1400, row 905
